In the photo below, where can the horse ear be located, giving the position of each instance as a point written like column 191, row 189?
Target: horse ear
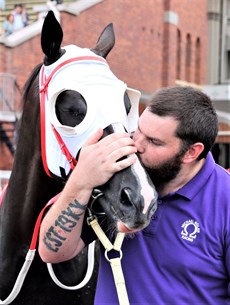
column 105, row 41
column 51, row 38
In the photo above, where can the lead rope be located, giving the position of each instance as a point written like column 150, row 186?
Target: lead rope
column 28, row 260
column 30, row 256
column 89, row 272
column 115, row 263
column 20, row 279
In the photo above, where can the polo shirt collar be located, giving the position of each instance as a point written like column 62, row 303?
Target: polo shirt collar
column 190, row 189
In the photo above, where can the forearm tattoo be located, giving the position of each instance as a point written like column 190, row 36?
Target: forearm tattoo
column 66, row 221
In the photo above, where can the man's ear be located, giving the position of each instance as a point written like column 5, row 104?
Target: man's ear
column 193, row 152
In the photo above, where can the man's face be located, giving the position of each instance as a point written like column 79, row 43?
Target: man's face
column 158, row 147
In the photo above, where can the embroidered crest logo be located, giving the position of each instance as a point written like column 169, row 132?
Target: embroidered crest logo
column 190, row 228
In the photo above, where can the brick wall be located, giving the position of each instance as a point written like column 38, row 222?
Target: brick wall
column 193, row 21
column 144, row 55
column 136, row 57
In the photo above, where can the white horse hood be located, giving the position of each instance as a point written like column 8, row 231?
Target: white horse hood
column 103, row 92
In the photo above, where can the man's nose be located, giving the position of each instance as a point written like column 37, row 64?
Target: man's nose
column 139, row 143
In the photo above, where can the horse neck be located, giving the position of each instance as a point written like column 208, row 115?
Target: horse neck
column 29, row 188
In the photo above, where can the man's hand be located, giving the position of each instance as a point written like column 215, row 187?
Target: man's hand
column 98, row 160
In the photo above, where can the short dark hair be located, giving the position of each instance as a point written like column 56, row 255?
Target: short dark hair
column 193, row 110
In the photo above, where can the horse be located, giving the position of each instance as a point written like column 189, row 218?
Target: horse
column 66, row 99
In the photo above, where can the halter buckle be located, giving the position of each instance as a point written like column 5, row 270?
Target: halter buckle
column 91, row 217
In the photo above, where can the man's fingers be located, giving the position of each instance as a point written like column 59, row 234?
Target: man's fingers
column 124, row 163
column 122, row 152
column 95, row 137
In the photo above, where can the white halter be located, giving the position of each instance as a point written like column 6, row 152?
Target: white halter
column 103, row 92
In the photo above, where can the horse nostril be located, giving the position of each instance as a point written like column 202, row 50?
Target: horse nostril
column 125, row 197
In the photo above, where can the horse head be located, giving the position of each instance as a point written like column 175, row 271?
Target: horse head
column 81, row 94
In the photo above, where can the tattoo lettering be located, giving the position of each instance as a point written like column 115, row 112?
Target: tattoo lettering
column 55, row 242
column 67, row 220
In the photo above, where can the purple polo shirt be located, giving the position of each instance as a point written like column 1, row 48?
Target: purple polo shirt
column 183, row 256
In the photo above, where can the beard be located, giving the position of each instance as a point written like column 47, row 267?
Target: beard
column 166, row 171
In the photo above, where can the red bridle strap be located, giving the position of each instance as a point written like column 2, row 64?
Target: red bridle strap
column 42, row 124
column 66, row 62
column 43, row 93
column 72, row 161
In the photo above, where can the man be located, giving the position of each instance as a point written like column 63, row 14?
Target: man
column 183, row 256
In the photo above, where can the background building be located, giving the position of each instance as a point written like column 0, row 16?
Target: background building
column 218, row 73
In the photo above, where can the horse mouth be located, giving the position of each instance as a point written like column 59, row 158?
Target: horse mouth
column 121, row 227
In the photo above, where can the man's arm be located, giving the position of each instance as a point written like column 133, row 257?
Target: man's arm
column 60, row 233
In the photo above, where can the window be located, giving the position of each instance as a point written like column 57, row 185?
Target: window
column 197, row 62
column 178, row 56
column 188, row 58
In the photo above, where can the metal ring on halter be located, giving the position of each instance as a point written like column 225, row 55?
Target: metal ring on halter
column 109, row 259
column 95, row 195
